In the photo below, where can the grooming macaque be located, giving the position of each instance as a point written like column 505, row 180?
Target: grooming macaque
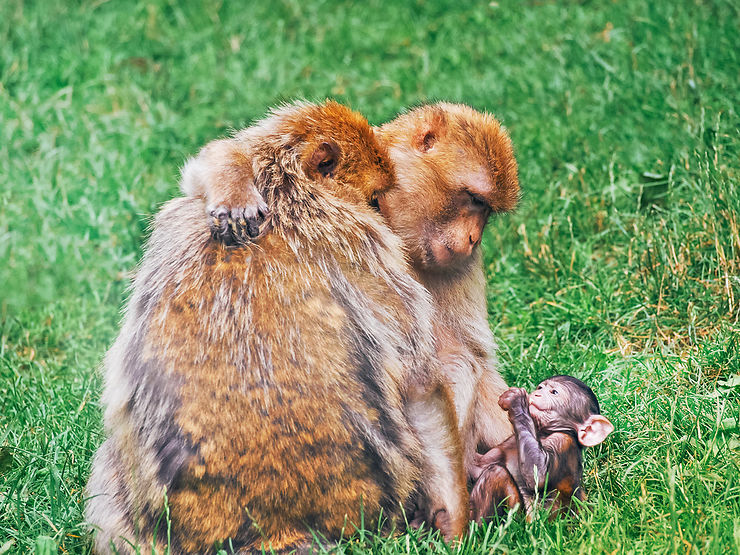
column 455, row 167
column 283, row 387
column 543, row 457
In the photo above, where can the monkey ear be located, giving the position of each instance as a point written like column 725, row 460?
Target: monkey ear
column 594, row 430
column 432, row 128
column 325, row 158
column 425, row 140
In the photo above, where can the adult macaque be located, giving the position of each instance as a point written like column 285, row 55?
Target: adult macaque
column 455, row 166
column 544, row 455
column 280, row 388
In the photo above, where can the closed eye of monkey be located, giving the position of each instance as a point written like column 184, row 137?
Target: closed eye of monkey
column 454, row 167
column 284, row 388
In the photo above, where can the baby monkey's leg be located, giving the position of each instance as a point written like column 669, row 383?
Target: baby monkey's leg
column 494, row 490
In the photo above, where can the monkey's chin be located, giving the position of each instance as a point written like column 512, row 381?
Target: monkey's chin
column 535, row 411
column 438, row 256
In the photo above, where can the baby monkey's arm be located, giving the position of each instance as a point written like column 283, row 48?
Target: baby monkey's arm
column 538, row 461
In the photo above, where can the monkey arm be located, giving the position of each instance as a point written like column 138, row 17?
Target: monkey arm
column 222, row 175
column 534, row 461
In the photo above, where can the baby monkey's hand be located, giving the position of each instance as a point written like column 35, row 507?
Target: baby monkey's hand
column 512, row 398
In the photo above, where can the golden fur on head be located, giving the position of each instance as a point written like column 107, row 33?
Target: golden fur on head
column 453, row 133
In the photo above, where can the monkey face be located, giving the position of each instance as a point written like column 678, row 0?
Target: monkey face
column 454, row 167
column 453, row 234
column 437, row 209
column 565, row 402
column 559, row 401
column 549, row 397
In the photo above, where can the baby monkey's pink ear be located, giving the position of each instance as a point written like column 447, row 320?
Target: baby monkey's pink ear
column 594, row 430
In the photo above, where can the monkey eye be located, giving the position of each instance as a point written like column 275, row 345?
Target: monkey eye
column 477, row 200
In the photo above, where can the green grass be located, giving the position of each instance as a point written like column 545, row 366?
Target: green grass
column 622, row 265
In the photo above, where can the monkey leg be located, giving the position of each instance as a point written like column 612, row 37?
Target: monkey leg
column 560, row 502
column 483, row 461
column 444, row 493
column 109, row 509
column 494, row 491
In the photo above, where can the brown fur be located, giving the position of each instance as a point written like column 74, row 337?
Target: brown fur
column 500, row 484
column 442, row 153
column 280, row 387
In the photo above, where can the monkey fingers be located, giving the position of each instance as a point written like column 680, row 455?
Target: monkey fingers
column 237, row 225
column 511, row 397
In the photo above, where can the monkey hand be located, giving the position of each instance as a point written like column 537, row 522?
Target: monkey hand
column 222, row 175
column 238, row 224
column 514, row 397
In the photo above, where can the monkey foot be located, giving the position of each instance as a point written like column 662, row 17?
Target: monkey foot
column 237, row 225
column 442, row 522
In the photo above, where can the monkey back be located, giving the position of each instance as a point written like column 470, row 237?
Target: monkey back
column 263, row 386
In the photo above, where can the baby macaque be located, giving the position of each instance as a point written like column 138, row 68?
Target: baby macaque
column 551, row 427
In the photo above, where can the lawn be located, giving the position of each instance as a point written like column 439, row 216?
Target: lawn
column 621, row 266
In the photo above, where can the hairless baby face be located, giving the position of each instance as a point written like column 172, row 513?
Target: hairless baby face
column 562, row 399
column 549, row 395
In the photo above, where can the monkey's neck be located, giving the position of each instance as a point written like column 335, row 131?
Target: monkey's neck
column 441, row 283
column 548, row 430
column 464, row 284
column 460, row 303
